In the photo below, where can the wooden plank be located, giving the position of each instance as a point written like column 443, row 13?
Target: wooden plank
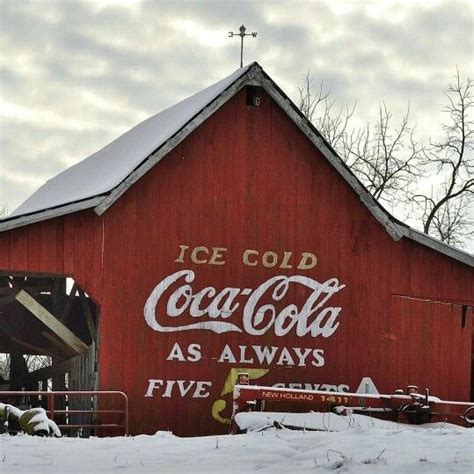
column 51, row 322
column 82, row 377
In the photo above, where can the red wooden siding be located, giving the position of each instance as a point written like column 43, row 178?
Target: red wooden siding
column 427, row 337
column 247, row 178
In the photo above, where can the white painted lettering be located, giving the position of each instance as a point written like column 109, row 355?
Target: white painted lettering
column 227, row 355
column 318, row 355
column 310, row 386
column 169, row 388
column 153, row 384
column 265, row 355
column 183, row 390
column 194, row 351
column 302, row 354
column 176, row 353
column 243, row 360
column 259, row 312
column 201, row 390
column 285, row 358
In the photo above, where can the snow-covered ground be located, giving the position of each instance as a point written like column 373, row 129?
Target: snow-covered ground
column 356, row 449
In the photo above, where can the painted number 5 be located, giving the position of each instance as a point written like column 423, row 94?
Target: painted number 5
column 220, row 405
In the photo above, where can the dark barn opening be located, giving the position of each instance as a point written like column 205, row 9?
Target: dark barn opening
column 48, row 342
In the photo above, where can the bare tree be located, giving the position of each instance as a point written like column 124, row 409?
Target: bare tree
column 33, row 362
column 446, row 212
column 309, row 98
column 4, row 367
column 384, row 156
column 319, row 105
column 453, row 223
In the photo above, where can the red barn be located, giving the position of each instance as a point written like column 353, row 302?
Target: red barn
column 224, row 235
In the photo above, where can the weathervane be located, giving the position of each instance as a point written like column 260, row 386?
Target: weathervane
column 242, row 34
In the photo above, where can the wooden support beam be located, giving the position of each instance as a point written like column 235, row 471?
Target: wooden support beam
column 32, row 349
column 10, row 297
column 56, row 326
column 29, row 337
column 65, row 350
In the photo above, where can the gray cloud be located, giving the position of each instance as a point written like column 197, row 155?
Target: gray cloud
column 74, row 75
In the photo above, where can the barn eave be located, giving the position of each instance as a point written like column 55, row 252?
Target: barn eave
column 14, row 222
column 437, row 245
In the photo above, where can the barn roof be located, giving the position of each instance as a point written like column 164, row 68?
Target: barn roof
column 107, row 168
column 99, row 180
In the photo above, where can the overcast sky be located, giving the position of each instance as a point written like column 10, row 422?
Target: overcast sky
column 77, row 74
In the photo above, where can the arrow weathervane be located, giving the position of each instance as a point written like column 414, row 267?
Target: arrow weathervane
column 242, row 34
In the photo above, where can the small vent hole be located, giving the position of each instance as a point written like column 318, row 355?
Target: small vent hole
column 253, row 100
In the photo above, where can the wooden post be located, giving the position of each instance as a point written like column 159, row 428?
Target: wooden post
column 59, row 298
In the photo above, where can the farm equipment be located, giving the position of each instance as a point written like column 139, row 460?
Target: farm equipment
column 33, row 421
column 406, row 407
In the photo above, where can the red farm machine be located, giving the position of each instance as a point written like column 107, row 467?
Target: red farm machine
column 404, row 406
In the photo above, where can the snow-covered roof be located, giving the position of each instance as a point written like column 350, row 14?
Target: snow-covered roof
column 99, row 180
column 108, row 167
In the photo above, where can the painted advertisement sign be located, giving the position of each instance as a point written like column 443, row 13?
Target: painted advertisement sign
column 179, row 303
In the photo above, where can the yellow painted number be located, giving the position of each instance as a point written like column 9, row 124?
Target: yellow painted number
column 220, row 405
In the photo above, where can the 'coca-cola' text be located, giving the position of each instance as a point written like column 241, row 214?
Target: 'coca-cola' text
column 218, row 311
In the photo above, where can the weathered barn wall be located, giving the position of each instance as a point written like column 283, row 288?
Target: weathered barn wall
column 248, row 179
column 71, row 246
